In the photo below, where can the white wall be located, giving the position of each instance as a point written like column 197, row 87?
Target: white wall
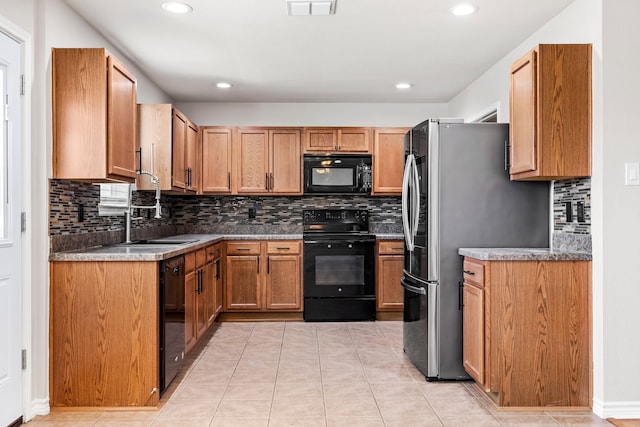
column 309, row 114
column 51, row 24
column 612, row 29
column 619, row 232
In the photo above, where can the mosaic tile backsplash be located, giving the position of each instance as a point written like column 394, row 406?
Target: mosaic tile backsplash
column 70, row 229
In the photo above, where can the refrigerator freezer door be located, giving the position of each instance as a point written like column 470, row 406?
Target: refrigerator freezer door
column 420, row 326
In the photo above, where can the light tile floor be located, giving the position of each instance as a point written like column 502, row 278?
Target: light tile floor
column 313, row 374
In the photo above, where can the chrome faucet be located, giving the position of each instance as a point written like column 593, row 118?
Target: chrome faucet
column 129, row 211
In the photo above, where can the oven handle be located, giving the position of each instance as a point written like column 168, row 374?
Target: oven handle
column 340, row 242
column 413, row 289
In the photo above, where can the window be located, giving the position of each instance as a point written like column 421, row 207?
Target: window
column 114, row 199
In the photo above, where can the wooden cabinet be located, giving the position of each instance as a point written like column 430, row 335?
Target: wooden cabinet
column 201, row 276
column 244, row 284
column 550, row 113
column 527, row 331
column 389, row 265
column 282, row 290
column 169, row 149
column 473, row 346
column 268, row 161
column 347, row 139
column 93, row 116
column 388, row 160
column 104, row 334
column 263, row 276
column 216, row 160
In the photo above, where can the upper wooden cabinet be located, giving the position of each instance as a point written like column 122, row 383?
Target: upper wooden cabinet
column 388, row 160
column 93, row 116
column 268, row 161
column 216, row 160
column 169, row 145
column 550, row 113
column 347, row 139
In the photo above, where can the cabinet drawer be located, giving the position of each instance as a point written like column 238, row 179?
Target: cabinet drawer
column 190, row 262
column 291, row 247
column 473, row 271
column 243, row 248
column 213, row 252
column 391, row 247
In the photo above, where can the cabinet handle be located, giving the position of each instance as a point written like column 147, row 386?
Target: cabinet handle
column 139, row 152
column 243, row 249
column 217, row 269
column 271, row 177
column 229, row 180
column 268, row 265
column 283, row 249
column 258, row 265
column 470, row 273
column 460, row 297
column 507, row 148
column 266, row 181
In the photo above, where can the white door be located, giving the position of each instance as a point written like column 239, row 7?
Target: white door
column 10, row 234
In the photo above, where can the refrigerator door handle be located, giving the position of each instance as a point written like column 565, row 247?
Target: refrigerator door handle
column 414, row 289
column 416, row 200
column 406, row 225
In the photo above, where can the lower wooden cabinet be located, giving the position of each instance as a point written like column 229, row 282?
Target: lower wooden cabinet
column 104, row 334
column 263, row 276
column 390, row 261
column 202, row 273
column 527, row 331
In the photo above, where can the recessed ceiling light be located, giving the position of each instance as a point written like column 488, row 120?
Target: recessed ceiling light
column 403, row 85
column 464, row 9
column 223, row 85
column 176, row 7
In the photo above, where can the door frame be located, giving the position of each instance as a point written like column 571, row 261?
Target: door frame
column 26, row 67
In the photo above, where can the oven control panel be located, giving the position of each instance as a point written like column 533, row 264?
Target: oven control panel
column 346, row 220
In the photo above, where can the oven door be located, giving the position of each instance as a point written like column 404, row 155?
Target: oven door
column 338, row 268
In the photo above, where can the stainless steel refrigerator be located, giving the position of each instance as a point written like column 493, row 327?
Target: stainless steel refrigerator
column 457, row 193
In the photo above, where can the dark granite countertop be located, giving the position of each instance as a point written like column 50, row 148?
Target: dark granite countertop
column 524, row 254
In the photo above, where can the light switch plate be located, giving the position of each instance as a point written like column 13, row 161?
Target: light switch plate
column 631, row 174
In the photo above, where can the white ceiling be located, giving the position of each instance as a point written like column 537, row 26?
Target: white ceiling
column 356, row 55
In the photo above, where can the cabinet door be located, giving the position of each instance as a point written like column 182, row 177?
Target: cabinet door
column 209, row 286
column 285, row 176
column 216, row 160
column 523, row 125
column 191, row 166
column 202, row 317
column 354, row 139
column 283, row 283
column 179, row 143
column 190, row 294
column 219, row 286
column 320, row 139
column 388, row 160
column 473, row 332
column 252, row 161
column 122, row 143
column 390, row 295
column 243, row 283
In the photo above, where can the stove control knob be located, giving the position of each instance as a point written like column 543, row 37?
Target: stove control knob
column 350, row 245
column 339, row 289
column 328, row 246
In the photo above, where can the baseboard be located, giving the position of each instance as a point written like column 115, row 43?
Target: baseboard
column 37, row 407
column 616, row 409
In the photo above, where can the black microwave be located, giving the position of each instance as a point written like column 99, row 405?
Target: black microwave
column 337, row 173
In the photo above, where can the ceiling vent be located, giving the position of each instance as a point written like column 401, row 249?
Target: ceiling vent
column 306, row 8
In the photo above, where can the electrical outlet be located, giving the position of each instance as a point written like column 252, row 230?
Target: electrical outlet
column 252, row 213
column 580, row 208
column 568, row 211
